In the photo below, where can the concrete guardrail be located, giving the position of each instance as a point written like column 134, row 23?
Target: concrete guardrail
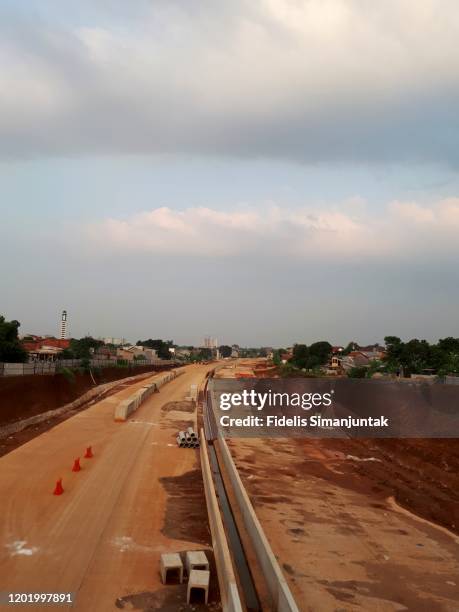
column 228, row 589
column 126, row 407
column 279, row 589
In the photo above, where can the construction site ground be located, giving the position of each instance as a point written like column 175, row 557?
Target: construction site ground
column 357, row 524
column 140, row 495
column 332, row 514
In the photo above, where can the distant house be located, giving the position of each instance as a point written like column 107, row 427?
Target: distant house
column 285, row 357
column 114, row 341
column 371, row 348
column 359, row 357
column 104, row 353
column 44, row 348
column 355, row 359
column 334, row 362
column 235, row 351
column 129, row 353
column 125, row 354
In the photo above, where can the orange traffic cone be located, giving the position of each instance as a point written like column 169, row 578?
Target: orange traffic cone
column 88, row 454
column 76, row 465
column 58, row 490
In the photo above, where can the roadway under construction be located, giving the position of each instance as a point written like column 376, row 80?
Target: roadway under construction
column 282, row 529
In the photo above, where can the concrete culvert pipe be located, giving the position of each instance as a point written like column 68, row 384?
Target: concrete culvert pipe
column 179, row 442
column 191, row 432
column 182, row 437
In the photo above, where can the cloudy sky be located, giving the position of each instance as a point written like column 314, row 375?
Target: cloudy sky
column 263, row 171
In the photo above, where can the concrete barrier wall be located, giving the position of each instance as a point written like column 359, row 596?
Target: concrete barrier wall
column 126, row 407
column 23, row 369
column 53, row 367
column 279, row 589
column 228, row 589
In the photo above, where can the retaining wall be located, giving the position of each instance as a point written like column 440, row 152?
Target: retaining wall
column 92, row 394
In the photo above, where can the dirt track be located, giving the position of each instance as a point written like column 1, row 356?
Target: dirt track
column 102, row 538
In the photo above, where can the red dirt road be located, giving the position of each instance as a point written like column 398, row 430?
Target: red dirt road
column 102, row 538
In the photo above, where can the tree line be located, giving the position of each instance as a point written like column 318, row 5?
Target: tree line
column 404, row 358
column 412, row 357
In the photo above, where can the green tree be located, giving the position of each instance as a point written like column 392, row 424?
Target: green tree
column 205, row 354
column 416, row 356
column 11, row 350
column 445, row 356
column 411, row 357
column 300, row 356
column 394, row 353
column 83, row 348
column 319, row 354
column 225, row 350
column 357, row 372
column 374, row 366
column 350, row 347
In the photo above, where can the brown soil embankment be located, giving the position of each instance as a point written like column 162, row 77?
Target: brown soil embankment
column 422, row 475
column 25, row 396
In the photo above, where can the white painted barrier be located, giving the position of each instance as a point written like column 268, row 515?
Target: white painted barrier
column 279, row 589
column 228, row 589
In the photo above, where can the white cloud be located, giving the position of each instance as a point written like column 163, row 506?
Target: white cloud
column 404, row 229
column 298, row 79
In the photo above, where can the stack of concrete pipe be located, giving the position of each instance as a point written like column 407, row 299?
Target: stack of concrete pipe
column 188, row 439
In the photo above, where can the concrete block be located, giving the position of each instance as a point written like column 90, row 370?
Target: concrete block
column 171, row 562
column 123, row 410
column 196, row 559
column 194, row 392
column 199, row 581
